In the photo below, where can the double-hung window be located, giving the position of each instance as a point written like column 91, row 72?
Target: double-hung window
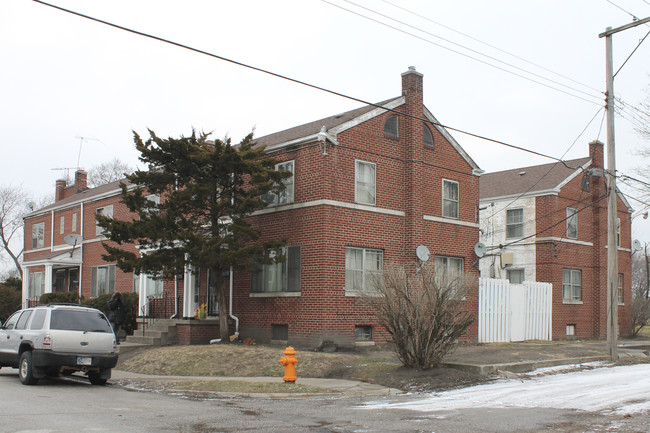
column 62, row 225
column 571, row 285
column 38, row 235
column 102, row 280
column 74, row 222
column 451, row 267
column 571, row 223
column 365, row 191
column 106, row 211
column 619, row 289
column 449, row 199
column 285, row 196
column 281, row 276
column 515, row 276
column 514, row 223
column 363, row 267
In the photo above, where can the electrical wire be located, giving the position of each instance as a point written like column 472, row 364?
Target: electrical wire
column 313, row 86
column 492, row 46
column 633, row 51
column 457, row 52
column 551, row 168
column 617, row 6
column 461, row 46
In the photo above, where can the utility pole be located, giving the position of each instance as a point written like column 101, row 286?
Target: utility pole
column 612, row 244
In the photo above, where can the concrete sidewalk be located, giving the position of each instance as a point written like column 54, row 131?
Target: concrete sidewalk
column 480, row 359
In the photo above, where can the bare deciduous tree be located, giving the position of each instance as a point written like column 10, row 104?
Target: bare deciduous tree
column 13, row 206
column 423, row 312
column 640, row 303
column 107, row 172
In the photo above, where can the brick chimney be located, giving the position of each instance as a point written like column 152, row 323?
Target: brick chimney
column 412, row 90
column 60, row 187
column 596, row 154
column 80, row 180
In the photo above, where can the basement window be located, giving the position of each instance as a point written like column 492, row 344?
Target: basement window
column 280, row 332
column 363, row 333
column 570, row 330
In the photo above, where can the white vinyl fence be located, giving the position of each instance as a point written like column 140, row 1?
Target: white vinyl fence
column 514, row 312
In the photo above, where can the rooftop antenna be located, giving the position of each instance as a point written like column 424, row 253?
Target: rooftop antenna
column 81, row 142
column 67, row 171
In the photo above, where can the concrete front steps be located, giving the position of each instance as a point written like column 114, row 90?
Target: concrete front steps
column 160, row 333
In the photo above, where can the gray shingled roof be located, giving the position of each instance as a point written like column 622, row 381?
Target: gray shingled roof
column 84, row 195
column 314, row 127
column 527, row 179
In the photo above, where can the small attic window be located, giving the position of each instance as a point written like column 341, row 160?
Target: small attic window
column 427, row 136
column 391, row 127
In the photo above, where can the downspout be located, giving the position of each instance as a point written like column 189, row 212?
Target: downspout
column 52, row 233
column 81, row 247
column 175, row 298
column 230, row 312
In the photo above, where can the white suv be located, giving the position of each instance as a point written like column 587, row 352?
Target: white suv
column 58, row 339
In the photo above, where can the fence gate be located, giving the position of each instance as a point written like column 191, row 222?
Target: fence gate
column 514, row 312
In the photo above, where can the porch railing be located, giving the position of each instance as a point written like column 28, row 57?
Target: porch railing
column 157, row 308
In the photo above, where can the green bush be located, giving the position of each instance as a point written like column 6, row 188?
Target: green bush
column 130, row 301
column 9, row 301
column 59, row 298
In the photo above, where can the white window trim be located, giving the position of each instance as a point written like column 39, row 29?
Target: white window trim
column 102, row 210
column 364, row 290
column 357, row 162
column 74, row 222
column 523, row 220
column 289, row 185
column 457, row 201
column 62, row 225
column 40, row 240
column 571, row 300
column 571, row 213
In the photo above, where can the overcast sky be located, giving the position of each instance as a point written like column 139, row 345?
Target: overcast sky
column 64, row 77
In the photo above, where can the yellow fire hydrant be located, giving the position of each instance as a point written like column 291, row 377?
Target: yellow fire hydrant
column 289, row 361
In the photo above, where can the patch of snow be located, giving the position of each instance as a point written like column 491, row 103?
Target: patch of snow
column 620, row 390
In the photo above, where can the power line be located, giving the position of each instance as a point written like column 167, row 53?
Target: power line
column 490, row 45
column 313, row 86
column 461, row 46
column 458, row 52
column 634, row 17
column 633, row 51
column 551, row 168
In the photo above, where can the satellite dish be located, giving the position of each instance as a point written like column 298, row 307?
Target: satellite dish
column 636, row 245
column 480, row 249
column 423, row 253
column 72, row 239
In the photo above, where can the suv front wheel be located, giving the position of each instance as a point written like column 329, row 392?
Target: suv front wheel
column 26, row 369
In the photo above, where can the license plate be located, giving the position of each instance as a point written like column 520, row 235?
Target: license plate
column 84, row 360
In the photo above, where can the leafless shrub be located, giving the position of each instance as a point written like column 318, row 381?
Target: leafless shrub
column 424, row 312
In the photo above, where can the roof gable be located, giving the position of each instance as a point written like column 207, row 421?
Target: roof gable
column 530, row 180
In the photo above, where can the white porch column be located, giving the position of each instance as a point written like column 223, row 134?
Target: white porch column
column 25, row 293
column 142, row 293
column 48, row 279
column 188, row 293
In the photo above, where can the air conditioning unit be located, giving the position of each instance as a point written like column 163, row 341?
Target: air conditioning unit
column 506, row 259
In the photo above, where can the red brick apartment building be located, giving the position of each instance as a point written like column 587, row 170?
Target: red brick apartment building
column 369, row 187
column 548, row 223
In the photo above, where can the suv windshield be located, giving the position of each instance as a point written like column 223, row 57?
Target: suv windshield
column 78, row 320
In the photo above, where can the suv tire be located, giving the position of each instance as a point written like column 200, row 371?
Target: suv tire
column 26, row 369
column 95, row 379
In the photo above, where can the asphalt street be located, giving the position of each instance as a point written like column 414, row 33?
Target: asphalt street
column 69, row 404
